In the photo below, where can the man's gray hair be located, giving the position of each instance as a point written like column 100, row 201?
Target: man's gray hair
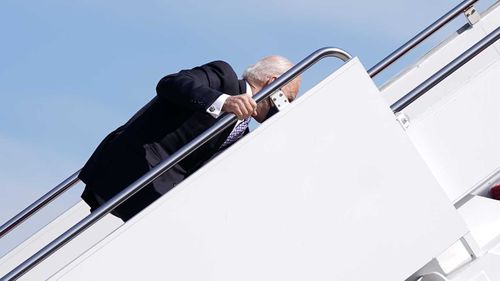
column 266, row 68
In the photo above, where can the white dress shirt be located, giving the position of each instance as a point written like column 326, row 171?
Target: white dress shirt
column 215, row 110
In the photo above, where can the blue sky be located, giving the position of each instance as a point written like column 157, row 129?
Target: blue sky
column 71, row 71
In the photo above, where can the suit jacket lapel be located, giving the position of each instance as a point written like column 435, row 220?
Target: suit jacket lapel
column 243, row 86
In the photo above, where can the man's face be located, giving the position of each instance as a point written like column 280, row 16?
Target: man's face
column 291, row 90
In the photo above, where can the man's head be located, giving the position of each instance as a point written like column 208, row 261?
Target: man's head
column 263, row 73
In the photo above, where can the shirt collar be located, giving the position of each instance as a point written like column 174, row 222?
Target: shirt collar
column 248, row 89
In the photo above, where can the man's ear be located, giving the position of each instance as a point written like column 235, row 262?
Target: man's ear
column 270, row 80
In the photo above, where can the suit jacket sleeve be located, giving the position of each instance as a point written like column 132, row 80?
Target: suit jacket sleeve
column 196, row 88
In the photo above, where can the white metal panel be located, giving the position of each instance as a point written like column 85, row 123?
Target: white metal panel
column 454, row 124
column 484, row 269
column 50, row 232
column 446, row 91
column 329, row 189
column 491, row 19
column 482, row 217
column 459, row 139
column 441, row 55
column 436, row 59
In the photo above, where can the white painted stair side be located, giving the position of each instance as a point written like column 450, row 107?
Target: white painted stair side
column 329, row 189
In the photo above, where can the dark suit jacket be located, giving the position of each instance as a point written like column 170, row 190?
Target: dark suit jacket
column 170, row 120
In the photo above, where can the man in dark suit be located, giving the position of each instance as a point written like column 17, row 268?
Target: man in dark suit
column 187, row 103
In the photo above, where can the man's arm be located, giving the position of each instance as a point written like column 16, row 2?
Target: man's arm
column 196, row 89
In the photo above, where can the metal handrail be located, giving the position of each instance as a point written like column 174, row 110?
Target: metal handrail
column 401, row 51
column 39, row 204
column 446, row 71
column 66, row 184
column 154, row 173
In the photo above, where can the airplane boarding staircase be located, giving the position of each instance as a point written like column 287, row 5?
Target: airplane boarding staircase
column 349, row 182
